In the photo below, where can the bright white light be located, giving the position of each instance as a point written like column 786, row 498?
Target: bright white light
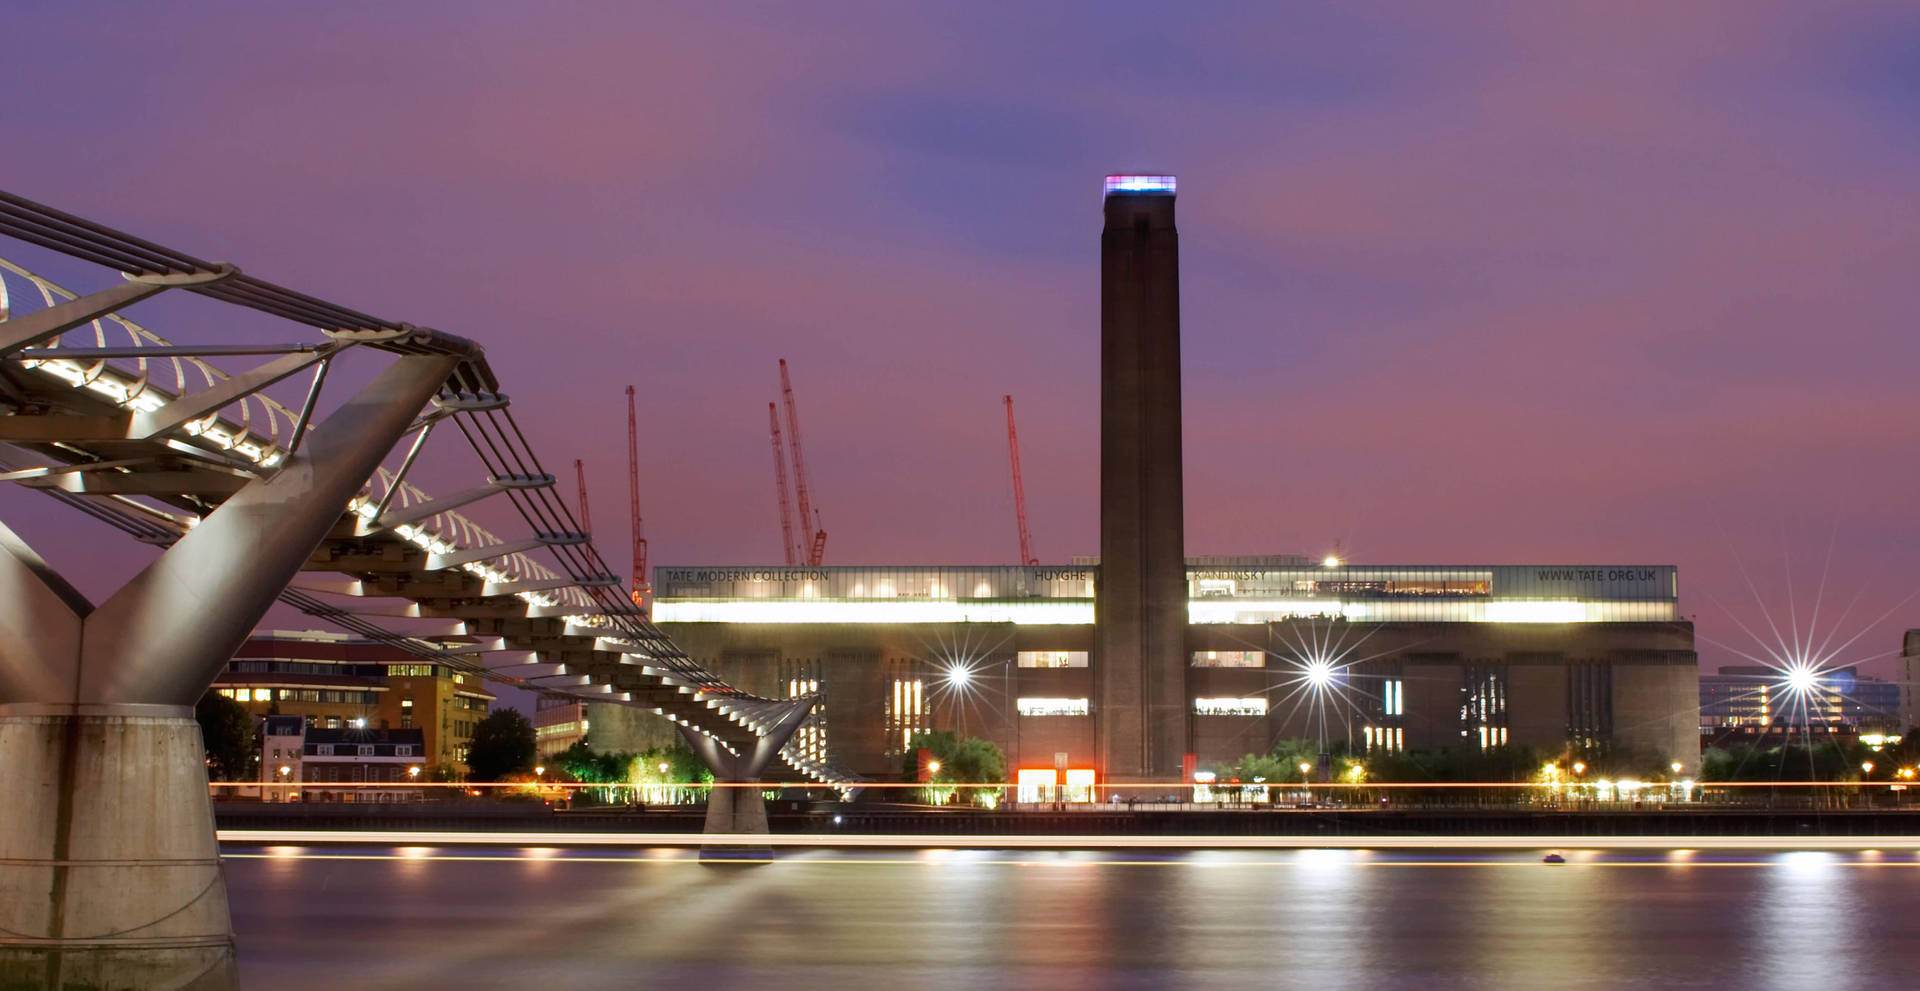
column 958, row 676
column 1319, row 673
column 1051, row 707
column 1230, row 706
column 1140, row 184
column 1330, row 561
column 1801, row 678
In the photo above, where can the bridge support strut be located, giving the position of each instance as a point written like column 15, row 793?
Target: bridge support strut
column 109, row 872
column 734, row 807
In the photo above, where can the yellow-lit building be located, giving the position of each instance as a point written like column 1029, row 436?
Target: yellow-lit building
column 337, row 682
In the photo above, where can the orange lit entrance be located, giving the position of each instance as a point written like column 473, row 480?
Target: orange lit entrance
column 1042, row 784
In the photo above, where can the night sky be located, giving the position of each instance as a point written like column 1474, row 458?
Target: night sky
column 1462, row 283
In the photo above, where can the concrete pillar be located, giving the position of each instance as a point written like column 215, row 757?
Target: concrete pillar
column 741, row 810
column 1140, row 607
column 736, row 811
column 109, row 872
column 113, row 878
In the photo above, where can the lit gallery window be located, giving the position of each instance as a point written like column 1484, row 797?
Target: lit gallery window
column 1230, row 707
column 1052, row 658
column 1229, row 658
column 1052, row 707
column 1393, row 699
column 1493, row 736
column 906, row 711
column 1385, row 738
column 810, row 740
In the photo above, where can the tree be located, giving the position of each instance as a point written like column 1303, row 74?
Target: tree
column 226, row 729
column 936, row 742
column 582, row 763
column 502, row 745
column 962, row 761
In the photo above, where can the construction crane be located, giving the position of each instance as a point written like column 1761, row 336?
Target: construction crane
column 1019, row 491
column 641, row 588
column 780, row 483
column 586, row 517
column 809, row 514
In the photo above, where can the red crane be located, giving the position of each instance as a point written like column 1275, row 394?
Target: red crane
column 586, row 517
column 1019, row 491
column 640, row 586
column 780, row 483
column 809, row 515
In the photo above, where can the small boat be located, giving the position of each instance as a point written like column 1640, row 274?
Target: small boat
column 1553, row 858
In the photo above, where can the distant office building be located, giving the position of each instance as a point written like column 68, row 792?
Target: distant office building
column 1398, row 656
column 334, row 681
column 1749, row 702
column 558, row 723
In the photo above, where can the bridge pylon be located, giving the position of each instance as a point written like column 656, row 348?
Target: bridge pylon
column 110, row 874
column 733, row 806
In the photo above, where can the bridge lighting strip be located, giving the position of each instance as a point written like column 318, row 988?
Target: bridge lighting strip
column 975, row 841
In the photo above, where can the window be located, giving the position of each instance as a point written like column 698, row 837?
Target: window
column 406, row 713
column 1052, row 707
column 1051, row 658
column 364, row 750
column 323, row 750
column 1590, row 701
column 403, row 750
column 1229, row 659
column 1230, row 707
column 906, row 711
column 1393, row 699
column 1483, row 703
column 1385, row 739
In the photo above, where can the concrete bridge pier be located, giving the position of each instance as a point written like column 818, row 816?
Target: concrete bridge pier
column 734, row 806
column 109, row 872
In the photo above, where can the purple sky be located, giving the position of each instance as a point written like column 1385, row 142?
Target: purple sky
column 1472, row 282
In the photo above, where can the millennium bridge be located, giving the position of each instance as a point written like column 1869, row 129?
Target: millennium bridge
column 109, row 870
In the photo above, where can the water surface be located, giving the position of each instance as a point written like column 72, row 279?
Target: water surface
column 520, row 917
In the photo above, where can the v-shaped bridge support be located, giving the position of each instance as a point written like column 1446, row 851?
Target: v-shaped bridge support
column 733, row 806
column 109, row 872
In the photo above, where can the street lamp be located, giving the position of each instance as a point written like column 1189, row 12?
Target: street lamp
column 414, row 771
column 664, row 768
column 1866, row 767
column 1579, row 767
column 540, row 771
column 933, row 767
column 1676, row 767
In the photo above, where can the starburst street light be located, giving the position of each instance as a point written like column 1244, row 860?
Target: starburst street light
column 958, row 675
column 1319, row 672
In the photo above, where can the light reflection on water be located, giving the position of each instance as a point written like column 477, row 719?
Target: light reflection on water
column 320, row 916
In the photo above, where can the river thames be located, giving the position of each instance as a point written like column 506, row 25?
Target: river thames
column 331, row 916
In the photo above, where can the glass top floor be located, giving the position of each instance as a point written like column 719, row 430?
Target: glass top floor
column 1205, row 583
